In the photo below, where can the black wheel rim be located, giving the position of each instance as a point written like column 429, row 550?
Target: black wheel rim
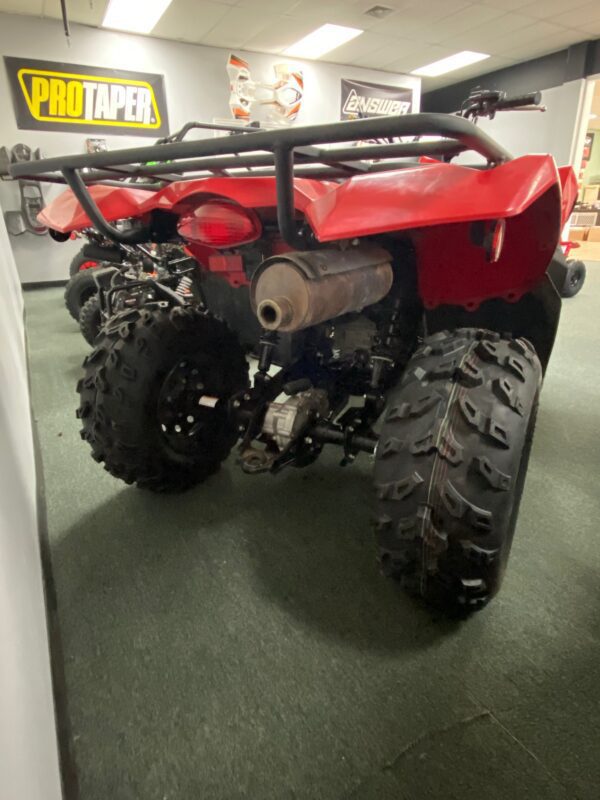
column 184, row 422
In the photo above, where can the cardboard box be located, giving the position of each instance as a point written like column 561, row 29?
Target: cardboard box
column 590, row 194
column 594, row 234
column 589, row 251
column 578, row 234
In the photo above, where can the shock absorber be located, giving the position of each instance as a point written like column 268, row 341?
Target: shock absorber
column 268, row 343
column 184, row 287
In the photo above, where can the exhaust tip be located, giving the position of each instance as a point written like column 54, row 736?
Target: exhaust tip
column 273, row 313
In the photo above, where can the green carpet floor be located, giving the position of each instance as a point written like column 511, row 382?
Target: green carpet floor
column 239, row 642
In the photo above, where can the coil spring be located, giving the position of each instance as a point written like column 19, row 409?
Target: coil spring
column 184, row 287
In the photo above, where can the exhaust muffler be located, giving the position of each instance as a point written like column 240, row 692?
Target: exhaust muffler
column 296, row 290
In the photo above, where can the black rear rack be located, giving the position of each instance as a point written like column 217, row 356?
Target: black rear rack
column 285, row 154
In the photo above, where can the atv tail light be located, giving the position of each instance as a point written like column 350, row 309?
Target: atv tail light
column 220, row 224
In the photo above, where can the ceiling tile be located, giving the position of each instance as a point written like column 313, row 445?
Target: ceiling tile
column 380, row 58
column 318, row 14
column 418, row 18
column 78, row 11
column 549, row 8
column 506, row 5
column 19, row 7
column 459, row 22
column 280, row 33
column 550, row 44
column 271, row 7
column 483, row 37
column 189, row 20
column 364, row 44
column 532, row 34
column 579, row 17
column 425, row 55
column 237, row 27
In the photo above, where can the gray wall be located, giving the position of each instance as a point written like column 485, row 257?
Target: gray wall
column 592, row 171
column 28, row 750
column 196, row 86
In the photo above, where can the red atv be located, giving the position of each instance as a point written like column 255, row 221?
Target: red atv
column 405, row 297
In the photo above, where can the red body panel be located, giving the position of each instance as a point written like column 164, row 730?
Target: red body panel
column 433, row 203
column 430, row 194
column 453, row 271
column 250, row 192
column 568, row 182
column 64, row 213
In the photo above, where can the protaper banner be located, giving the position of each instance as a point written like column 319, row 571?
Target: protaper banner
column 360, row 99
column 51, row 96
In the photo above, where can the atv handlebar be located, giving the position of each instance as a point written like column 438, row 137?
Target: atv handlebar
column 285, row 153
column 520, row 101
column 486, row 102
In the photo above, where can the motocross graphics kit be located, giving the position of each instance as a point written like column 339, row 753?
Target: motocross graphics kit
column 283, row 97
column 413, row 294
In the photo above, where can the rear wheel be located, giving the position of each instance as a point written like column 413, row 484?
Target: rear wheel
column 141, row 390
column 451, row 464
column 80, row 263
column 90, row 319
column 574, row 278
column 78, row 290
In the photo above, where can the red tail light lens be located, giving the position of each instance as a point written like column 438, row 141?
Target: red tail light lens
column 220, row 224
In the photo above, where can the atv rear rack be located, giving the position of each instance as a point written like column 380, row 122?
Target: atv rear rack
column 285, row 154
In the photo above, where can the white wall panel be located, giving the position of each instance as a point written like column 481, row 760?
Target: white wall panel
column 28, row 750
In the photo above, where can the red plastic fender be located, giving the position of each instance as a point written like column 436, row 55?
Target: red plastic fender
column 64, row 213
column 251, row 192
column 429, row 194
column 452, row 270
column 568, row 182
column 436, row 204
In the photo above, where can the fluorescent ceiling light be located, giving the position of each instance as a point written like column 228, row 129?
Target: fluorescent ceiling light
column 458, row 60
column 323, row 40
column 134, row 16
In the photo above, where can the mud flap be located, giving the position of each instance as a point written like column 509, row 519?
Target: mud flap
column 534, row 317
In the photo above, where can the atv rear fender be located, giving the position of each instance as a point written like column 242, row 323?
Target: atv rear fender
column 436, row 204
column 65, row 213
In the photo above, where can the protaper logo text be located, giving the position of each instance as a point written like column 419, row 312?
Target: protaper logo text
column 70, row 97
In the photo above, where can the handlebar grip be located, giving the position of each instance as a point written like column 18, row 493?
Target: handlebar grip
column 531, row 99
